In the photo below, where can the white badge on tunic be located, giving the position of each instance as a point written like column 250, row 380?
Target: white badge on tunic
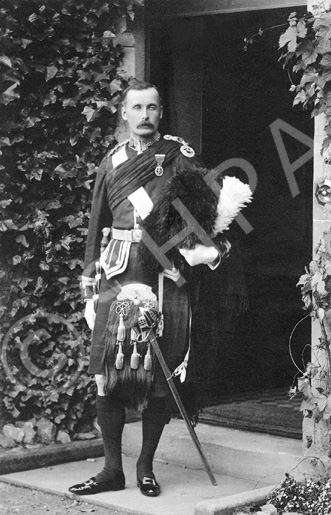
column 142, row 202
column 119, row 157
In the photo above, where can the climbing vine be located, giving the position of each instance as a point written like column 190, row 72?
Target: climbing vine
column 60, row 89
column 305, row 48
column 315, row 381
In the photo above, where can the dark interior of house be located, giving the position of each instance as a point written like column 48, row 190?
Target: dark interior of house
column 242, row 341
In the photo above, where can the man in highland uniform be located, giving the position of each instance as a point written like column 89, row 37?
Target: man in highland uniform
column 129, row 182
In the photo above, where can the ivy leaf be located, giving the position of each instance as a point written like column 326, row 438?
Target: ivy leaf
column 6, row 60
column 290, row 38
column 37, row 174
column 74, row 139
column 31, row 121
column 5, row 203
column 308, row 77
column 51, row 71
column 327, row 409
column 64, row 280
column 63, row 173
column 297, row 67
column 33, row 18
column 7, row 224
column 17, row 139
column 304, row 387
column 10, row 94
column 326, row 61
column 22, row 239
column 313, row 266
column 26, row 42
column 116, row 85
column 310, row 56
column 54, row 204
column 23, row 283
column 301, row 29
column 83, row 88
column 303, row 279
column 90, row 113
column 101, row 104
column 324, row 46
column 306, row 404
column 326, row 75
column 300, row 97
column 50, row 98
column 69, row 102
column 73, row 263
column 323, row 26
column 320, row 287
column 5, row 142
column 108, row 34
column 321, row 403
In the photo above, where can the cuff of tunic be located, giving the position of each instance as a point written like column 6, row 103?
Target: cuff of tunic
column 87, row 285
column 214, row 264
column 224, row 247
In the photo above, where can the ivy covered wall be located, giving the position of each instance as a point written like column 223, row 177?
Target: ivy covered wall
column 60, row 88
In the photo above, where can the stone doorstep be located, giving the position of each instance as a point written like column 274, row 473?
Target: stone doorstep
column 230, row 451
column 255, row 456
column 226, row 505
column 233, row 453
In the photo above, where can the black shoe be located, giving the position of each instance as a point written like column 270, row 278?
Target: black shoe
column 149, row 486
column 92, row 486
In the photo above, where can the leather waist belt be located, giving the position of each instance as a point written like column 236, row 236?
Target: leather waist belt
column 134, row 235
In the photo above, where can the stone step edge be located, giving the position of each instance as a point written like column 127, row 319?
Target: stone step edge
column 225, row 505
column 219, row 454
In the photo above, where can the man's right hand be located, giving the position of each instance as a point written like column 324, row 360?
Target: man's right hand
column 173, row 274
column 90, row 314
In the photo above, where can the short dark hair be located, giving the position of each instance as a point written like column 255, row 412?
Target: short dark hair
column 139, row 86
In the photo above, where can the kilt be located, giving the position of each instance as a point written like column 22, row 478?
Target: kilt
column 176, row 311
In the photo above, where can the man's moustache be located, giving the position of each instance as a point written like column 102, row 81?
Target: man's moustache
column 148, row 125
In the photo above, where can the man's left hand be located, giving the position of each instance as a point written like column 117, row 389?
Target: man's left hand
column 200, row 255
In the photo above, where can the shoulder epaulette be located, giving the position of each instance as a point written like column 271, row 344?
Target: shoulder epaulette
column 185, row 148
column 117, row 147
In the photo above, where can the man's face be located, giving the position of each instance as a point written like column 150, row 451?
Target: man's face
column 142, row 111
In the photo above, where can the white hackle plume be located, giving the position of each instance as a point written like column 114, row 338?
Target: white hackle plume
column 233, row 197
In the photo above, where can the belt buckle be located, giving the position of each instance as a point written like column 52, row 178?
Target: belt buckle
column 136, row 235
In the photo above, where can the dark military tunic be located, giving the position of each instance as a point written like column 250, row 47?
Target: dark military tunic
column 120, row 214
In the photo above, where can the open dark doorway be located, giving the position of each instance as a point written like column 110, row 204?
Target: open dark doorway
column 242, row 94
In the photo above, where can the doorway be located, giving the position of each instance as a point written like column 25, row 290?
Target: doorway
column 232, row 99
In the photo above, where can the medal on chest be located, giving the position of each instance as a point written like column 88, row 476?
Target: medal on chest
column 159, row 161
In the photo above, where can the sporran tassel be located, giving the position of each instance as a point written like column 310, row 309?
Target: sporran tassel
column 135, row 356
column 121, row 330
column 120, row 339
column 119, row 357
column 148, row 358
